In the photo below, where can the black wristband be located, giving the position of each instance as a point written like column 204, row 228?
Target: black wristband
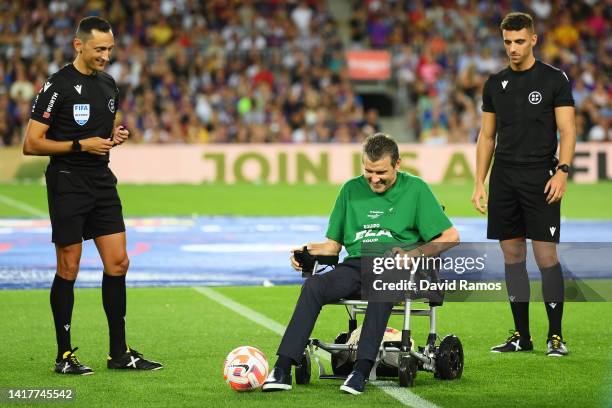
column 76, row 146
column 564, row 168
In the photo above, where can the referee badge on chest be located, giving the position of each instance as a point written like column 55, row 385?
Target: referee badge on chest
column 80, row 113
column 534, row 97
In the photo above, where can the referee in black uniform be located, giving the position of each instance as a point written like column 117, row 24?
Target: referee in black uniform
column 525, row 104
column 72, row 121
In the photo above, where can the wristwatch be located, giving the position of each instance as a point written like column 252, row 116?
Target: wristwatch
column 564, row 168
column 76, row 146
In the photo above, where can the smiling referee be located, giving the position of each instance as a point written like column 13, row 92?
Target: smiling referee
column 72, row 121
column 525, row 104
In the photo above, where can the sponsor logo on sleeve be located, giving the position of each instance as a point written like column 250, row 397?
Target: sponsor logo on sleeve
column 111, row 105
column 47, row 113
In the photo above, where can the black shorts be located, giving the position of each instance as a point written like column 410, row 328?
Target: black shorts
column 83, row 204
column 517, row 204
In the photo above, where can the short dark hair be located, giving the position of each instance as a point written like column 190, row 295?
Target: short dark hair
column 90, row 23
column 517, row 21
column 378, row 145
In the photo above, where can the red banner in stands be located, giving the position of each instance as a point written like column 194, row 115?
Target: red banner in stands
column 369, row 64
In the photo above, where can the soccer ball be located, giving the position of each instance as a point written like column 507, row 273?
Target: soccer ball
column 245, row 368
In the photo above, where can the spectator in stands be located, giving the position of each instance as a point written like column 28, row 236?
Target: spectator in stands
column 370, row 124
column 208, row 71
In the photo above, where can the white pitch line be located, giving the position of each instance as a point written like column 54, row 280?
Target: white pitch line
column 242, row 310
column 22, row 206
column 403, row 395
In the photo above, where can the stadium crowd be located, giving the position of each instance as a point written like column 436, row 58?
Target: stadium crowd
column 444, row 51
column 221, row 71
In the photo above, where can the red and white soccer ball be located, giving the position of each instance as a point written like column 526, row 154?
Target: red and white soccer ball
column 245, row 368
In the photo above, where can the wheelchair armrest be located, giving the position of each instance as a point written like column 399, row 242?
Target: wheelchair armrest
column 330, row 260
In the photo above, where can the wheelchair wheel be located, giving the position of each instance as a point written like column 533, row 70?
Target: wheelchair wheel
column 302, row 370
column 341, row 361
column 407, row 370
column 449, row 358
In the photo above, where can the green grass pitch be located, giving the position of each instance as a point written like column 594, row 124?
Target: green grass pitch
column 192, row 334
column 581, row 200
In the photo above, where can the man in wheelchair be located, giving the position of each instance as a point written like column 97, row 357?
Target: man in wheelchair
column 385, row 206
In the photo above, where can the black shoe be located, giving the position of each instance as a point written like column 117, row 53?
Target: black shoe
column 132, row 360
column 514, row 343
column 70, row 364
column 354, row 384
column 278, row 380
column 556, row 347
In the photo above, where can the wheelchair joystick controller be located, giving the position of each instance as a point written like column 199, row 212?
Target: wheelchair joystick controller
column 306, row 261
column 310, row 263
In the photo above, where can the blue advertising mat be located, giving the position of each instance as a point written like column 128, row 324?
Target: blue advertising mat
column 211, row 251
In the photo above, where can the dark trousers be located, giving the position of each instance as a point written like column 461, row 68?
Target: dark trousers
column 326, row 288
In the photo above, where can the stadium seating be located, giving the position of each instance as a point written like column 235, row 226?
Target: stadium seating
column 275, row 71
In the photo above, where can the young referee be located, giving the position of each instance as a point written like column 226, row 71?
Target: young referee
column 525, row 104
column 72, row 121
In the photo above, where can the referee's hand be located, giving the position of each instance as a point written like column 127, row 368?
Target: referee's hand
column 96, row 145
column 120, row 135
column 555, row 188
column 479, row 198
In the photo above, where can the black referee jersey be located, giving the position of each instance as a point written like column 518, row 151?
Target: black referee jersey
column 524, row 103
column 77, row 106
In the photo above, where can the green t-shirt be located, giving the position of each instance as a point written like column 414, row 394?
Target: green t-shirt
column 406, row 213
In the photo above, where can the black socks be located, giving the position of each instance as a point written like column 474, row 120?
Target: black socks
column 553, row 289
column 114, row 301
column 62, row 301
column 517, row 283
